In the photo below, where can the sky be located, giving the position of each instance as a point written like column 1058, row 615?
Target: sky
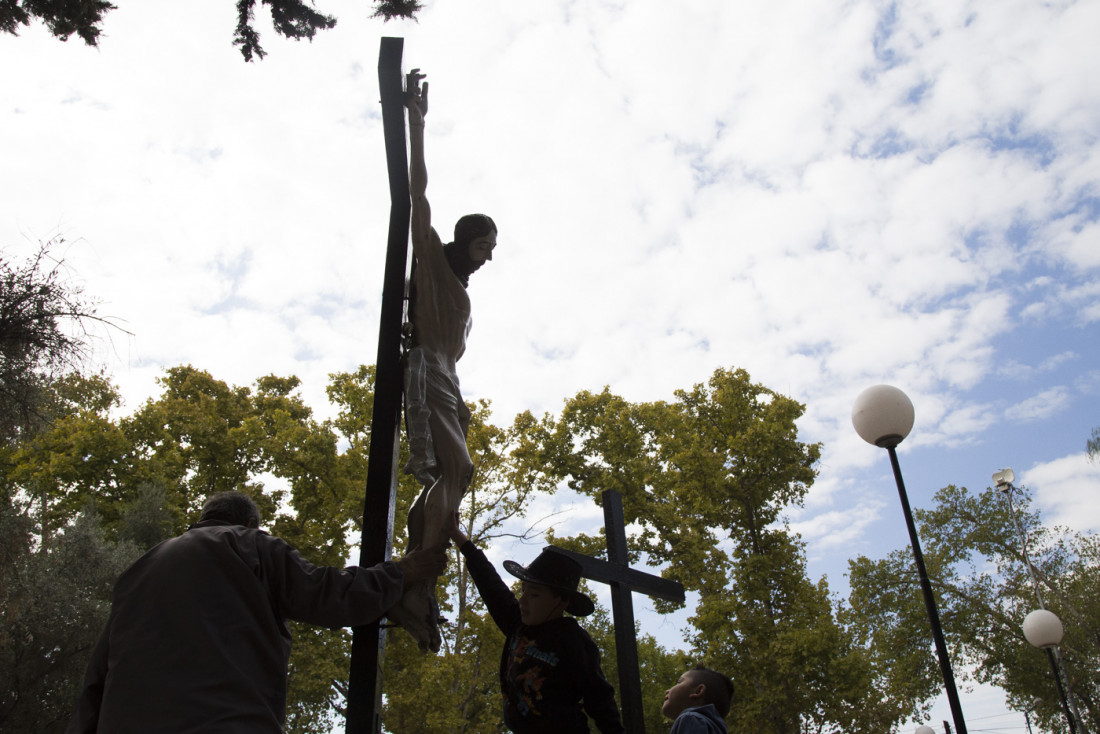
column 827, row 195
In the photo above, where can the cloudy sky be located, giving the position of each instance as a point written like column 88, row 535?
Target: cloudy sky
column 828, row 195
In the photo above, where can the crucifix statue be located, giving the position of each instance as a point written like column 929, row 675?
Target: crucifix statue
column 436, row 416
column 616, row 572
column 434, row 339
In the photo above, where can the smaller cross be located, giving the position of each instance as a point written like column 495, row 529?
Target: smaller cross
column 624, row 580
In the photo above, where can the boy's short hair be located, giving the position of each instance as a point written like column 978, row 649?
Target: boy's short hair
column 719, row 688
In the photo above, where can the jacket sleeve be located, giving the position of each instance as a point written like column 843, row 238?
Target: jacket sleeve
column 85, row 718
column 499, row 599
column 324, row 595
column 599, row 695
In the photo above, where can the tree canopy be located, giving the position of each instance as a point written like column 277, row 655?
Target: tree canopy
column 975, row 559
column 44, row 322
column 294, row 19
column 706, row 479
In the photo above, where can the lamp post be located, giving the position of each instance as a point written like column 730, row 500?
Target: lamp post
column 1027, row 713
column 883, row 416
column 1042, row 628
column 925, row 730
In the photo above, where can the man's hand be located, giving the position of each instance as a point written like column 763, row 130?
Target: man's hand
column 416, row 97
column 423, row 565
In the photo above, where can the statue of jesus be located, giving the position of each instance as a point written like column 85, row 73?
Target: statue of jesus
column 436, row 416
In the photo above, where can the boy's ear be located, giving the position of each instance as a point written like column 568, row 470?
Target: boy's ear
column 699, row 691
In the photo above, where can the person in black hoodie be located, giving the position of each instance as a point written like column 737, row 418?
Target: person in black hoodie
column 699, row 702
column 550, row 672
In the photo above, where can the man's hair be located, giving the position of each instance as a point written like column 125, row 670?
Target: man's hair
column 235, row 507
column 472, row 226
column 719, row 688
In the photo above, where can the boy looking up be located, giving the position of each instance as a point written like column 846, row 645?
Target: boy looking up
column 550, row 667
column 699, row 702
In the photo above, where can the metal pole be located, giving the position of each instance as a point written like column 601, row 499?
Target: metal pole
column 368, row 646
column 929, row 600
column 1055, row 668
column 1066, row 692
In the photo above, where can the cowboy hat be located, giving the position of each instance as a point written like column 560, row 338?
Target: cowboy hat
column 560, row 573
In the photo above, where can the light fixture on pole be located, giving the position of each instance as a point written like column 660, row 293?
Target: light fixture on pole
column 1044, row 630
column 883, row 416
column 925, row 730
column 1044, row 625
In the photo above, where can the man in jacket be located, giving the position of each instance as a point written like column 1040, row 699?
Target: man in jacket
column 197, row 638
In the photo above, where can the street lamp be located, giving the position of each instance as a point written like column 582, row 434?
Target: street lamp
column 883, row 416
column 1042, row 628
column 925, row 730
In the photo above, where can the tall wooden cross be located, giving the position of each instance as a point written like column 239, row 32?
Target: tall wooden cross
column 368, row 644
column 624, row 580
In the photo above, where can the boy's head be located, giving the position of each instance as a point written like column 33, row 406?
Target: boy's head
column 698, row 687
column 539, row 603
column 550, row 588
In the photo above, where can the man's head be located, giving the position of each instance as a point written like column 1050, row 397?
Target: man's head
column 475, row 238
column 698, row 687
column 232, row 507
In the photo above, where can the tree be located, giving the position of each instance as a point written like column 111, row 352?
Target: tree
column 1092, row 446
column 295, row 19
column 706, row 479
column 62, row 17
column 985, row 589
column 54, row 598
column 44, row 320
column 145, row 476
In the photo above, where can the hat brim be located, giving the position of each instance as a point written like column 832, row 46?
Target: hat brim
column 579, row 605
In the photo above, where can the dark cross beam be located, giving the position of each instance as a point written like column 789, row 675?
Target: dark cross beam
column 624, row 580
column 368, row 645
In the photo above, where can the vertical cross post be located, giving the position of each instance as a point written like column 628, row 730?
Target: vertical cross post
column 622, row 611
column 623, row 581
column 364, row 704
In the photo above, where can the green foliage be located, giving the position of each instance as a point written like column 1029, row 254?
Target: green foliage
column 54, row 599
column 658, row 667
column 294, row 19
column 44, row 316
column 62, row 17
column 974, row 555
column 706, row 478
column 390, row 9
column 1092, row 446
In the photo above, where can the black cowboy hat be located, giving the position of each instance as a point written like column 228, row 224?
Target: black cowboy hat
column 560, row 573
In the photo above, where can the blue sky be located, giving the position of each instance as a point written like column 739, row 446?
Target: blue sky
column 829, row 195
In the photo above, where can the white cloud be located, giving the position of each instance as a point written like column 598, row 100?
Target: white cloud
column 828, row 195
column 1066, row 490
column 1044, row 405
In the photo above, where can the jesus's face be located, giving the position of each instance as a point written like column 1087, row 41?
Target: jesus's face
column 481, row 248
